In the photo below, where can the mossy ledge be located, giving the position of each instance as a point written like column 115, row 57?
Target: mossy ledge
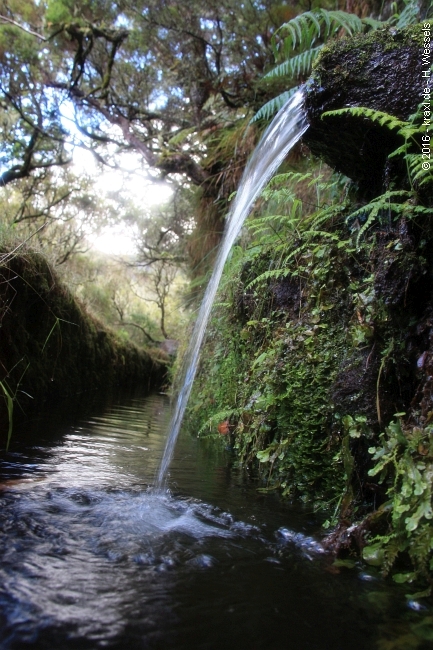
column 52, row 352
column 381, row 70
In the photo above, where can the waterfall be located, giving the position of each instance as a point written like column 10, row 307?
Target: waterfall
column 283, row 133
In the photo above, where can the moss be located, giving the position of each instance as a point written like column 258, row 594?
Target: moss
column 381, row 70
column 51, row 351
column 320, row 336
column 365, row 46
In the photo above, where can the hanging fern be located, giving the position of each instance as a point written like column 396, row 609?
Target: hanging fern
column 269, row 109
column 304, row 30
column 419, row 174
column 384, row 119
column 295, row 43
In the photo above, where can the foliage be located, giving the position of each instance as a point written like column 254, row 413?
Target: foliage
column 298, row 43
column 313, row 343
column 269, row 368
column 136, row 75
column 142, row 305
column 404, row 463
column 398, row 203
column 118, row 76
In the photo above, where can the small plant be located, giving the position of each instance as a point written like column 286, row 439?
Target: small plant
column 404, row 462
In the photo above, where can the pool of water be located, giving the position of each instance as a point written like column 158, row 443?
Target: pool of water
column 91, row 557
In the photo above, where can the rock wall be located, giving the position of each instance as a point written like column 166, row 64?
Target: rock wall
column 52, row 352
column 382, row 71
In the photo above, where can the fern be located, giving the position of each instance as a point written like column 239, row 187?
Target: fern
column 420, row 175
column 384, row 119
column 382, row 206
column 271, row 107
column 297, row 66
column 180, row 137
column 301, row 33
column 284, row 270
column 304, row 30
column 212, row 423
column 409, row 15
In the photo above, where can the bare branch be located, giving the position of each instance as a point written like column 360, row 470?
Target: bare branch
column 25, row 29
column 151, row 339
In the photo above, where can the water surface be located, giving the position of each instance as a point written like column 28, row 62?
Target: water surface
column 91, row 557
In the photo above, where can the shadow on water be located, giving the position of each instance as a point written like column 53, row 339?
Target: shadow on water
column 91, row 557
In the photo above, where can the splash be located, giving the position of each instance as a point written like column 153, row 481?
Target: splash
column 283, row 133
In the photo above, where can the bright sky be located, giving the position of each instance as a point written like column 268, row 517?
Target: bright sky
column 136, row 182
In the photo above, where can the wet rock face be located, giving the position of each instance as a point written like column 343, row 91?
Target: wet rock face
column 381, row 70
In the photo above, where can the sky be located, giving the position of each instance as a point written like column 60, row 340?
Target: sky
column 137, row 182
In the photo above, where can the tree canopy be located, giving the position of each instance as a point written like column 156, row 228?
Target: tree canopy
column 149, row 76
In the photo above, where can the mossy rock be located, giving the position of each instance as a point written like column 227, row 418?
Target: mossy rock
column 382, row 71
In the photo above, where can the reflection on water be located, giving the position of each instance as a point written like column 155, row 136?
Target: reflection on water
column 91, row 557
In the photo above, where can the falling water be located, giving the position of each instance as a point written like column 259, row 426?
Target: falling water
column 282, row 134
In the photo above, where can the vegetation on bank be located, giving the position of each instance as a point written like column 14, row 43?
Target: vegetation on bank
column 52, row 352
column 319, row 358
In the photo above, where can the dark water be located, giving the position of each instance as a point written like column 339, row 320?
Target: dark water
column 91, row 558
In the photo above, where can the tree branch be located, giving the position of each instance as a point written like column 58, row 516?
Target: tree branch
column 28, row 31
column 152, row 340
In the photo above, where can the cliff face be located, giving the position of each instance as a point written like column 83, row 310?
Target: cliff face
column 319, row 364
column 52, row 352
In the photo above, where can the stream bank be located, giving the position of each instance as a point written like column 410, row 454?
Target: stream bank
column 54, row 353
column 319, row 362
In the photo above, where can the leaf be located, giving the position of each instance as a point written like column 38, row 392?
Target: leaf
column 373, row 554
column 263, row 456
column 271, row 107
column 296, row 66
column 401, row 578
column 424, row 510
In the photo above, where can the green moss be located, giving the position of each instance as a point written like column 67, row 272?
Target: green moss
column 365, row 46
column 51, row 351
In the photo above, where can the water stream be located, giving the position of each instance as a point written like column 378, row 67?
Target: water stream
column 282, row 134
column 92, row 558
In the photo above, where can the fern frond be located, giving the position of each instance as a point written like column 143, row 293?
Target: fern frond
column 384, row 204
column 181, row 136
column 284, row 270
column 269, row 109
column 384, row 119
column 216, row 418
column 306, row 28
column 409, row 15
column 297, row 66
column 372, row 23
column 290, row 177
column 418, row 174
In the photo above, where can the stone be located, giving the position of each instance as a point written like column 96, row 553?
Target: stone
column 381, row 70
